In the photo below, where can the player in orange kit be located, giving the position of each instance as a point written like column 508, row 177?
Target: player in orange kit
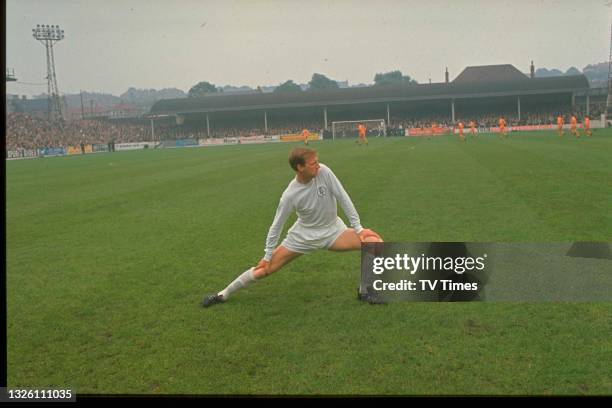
column 502, row 127
column 461, row 135
column 587, row 126
column 560, row 125
column 305, row 136
column 472, row 125
column 362, row 134
column 573, row 123
column 432, row 132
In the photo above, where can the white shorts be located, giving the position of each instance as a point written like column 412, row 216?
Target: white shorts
column 305, row 240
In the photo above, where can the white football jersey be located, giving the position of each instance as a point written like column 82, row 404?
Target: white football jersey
column 315, row 204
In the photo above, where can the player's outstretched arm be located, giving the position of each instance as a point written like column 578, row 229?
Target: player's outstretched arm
column 345, row 201
column 282, row 213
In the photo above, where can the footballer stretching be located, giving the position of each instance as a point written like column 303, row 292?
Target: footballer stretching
column 313, row 194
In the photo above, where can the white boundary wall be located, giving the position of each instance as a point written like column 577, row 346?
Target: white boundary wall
column 134, row 146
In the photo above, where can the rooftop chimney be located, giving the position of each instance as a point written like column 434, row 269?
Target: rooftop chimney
column 446, row 75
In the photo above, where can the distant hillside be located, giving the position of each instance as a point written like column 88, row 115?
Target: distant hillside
column 147, row 97
column 543, row 72
column 597, row 74
column 89, row 99
column 232, row 89
column 143, row 98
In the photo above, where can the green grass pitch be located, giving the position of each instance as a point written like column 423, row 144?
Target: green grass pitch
column 109, row 255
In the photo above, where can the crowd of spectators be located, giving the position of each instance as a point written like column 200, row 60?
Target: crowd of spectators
column 28, row 132
column 531, row 117
column 169, row 130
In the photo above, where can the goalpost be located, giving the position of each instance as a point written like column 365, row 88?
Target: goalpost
column 348, row 128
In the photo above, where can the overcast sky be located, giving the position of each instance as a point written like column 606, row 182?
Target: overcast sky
column 112, row 45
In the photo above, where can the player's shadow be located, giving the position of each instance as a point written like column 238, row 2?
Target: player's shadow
column 596, row 250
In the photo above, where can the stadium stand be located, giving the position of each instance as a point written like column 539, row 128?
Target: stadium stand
column 478, row 93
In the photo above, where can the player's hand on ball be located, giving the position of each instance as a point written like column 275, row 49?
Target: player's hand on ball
column 367, row 235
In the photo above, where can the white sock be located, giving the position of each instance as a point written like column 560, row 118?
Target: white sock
column 240, row 282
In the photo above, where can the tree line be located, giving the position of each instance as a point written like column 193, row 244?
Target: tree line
column 317, row 82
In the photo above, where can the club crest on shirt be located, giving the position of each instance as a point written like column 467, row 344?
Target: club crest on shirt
column 322, row 191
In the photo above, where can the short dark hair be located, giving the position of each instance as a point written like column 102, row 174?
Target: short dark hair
column 298, row 156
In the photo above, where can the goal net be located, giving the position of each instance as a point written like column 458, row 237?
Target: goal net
column 349, row 128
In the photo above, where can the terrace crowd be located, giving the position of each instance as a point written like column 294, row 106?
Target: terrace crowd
column 29, row 132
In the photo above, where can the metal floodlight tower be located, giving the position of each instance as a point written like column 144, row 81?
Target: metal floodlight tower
column 10, row 75
column 609, row 100
column 49, row 35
